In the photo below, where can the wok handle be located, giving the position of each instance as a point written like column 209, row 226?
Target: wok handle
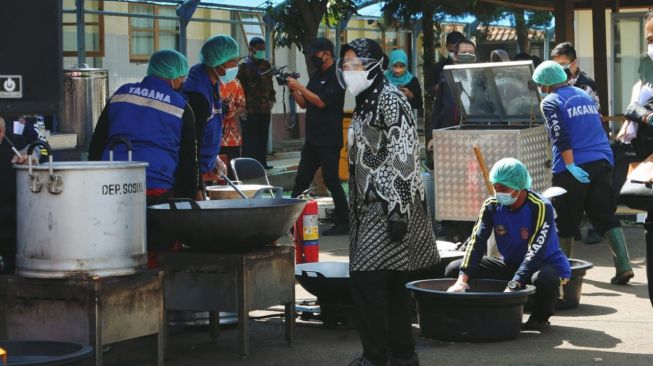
column 314, row 274
column 173, row 203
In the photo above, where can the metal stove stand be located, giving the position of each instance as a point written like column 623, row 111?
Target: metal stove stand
column 95, row 311
column 239, row 283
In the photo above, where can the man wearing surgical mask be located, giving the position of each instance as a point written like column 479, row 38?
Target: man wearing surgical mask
column 324, row 101
column 525, row 231
column 219, row 64
column 565, row 55
column 255, row 76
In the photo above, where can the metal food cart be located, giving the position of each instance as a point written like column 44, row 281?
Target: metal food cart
column 500, row 113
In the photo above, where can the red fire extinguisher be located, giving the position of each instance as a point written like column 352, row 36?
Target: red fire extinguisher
column 307, row 236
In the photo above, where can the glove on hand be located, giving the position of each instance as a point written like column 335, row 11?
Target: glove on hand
column 397, row 230
column 636, row 112
column 578, row 173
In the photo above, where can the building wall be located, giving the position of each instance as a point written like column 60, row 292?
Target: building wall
column 584, row 38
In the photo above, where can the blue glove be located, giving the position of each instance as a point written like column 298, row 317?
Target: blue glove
column 578, row 173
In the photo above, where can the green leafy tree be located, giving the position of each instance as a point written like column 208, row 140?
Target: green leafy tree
column 430, row 14
column 523, row 20
column 296, row 22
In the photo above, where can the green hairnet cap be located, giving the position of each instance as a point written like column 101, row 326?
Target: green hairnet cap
column 549, row 73
column 218, row 50
column 511, row 173
column 167, row 64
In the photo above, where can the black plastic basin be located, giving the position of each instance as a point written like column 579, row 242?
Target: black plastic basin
column 482, row 314
column 23, row 353
column 572, row 290
column 328, row 281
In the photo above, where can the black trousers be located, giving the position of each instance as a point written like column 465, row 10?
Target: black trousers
column 648, row 225
column 597, row 199
column 546, row 281
column 255, row 130
column 327, row 157
column 232, row 152
column 8, row 237
column 383, row 312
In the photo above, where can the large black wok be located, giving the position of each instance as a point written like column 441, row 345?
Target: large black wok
column 224, row 226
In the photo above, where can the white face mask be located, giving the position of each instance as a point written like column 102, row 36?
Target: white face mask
column 356, row 81
column 649, row 52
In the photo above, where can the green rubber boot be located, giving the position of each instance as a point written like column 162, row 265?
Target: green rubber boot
column 567, row 245
column 620, row 255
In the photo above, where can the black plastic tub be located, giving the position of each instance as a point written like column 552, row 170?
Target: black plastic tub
column 45, row 353
column 482, row 314
column 572, row 290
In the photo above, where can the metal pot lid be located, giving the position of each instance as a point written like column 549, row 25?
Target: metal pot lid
column 83, row 67
column 85, row 165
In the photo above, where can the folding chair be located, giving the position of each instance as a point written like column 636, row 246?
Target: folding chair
column 250, row 171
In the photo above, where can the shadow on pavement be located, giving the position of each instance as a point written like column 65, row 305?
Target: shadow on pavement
column 586, row 310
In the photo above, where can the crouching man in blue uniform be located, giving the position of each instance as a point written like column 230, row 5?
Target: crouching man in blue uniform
column 525, row 231
column 582, row 164
column 155, row 117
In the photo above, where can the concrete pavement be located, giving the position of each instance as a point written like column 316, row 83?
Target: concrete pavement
column 612, row 326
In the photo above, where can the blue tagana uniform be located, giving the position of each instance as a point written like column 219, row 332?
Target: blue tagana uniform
column 574, row 122
column 210, row 137
column 526, row 237
column 149, row 114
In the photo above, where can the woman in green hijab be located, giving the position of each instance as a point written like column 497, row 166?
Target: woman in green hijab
column 400, row 77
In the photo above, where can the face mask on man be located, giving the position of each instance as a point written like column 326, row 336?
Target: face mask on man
column 505, row 198
column 466, row 58
column 357, row 81
column 259, row 55
column 649, row 52
column 229, row 75
column 317, row 61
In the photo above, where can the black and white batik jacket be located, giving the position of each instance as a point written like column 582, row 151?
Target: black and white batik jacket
column 385, row 185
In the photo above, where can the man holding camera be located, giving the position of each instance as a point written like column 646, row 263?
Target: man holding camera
column 254, row 73
column 324, row 101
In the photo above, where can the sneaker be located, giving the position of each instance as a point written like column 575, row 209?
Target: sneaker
column 592, row 237
column 535, row 324
column 337, row 229
column 622, row 278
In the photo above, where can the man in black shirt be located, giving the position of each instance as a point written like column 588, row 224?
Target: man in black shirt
column 451, row 41
column 324, row 101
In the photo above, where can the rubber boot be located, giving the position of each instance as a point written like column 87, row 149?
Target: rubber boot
column 567, row 245
column 620, row 255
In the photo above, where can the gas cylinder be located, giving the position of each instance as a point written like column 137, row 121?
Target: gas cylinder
column 307, row 236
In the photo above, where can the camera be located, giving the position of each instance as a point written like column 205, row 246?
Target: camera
column 281, row 75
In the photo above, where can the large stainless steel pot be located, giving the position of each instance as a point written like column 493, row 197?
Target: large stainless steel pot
column 80, row 218
column 86, row 91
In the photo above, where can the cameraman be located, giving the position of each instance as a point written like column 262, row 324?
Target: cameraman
column 324, row 101
column 255, row 76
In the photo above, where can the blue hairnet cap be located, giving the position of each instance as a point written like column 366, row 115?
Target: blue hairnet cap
column 549, row 73
column 167, row 64
column 511, row 173
column 218, row 50
column 398, row 56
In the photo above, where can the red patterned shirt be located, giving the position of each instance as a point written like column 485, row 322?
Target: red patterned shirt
column 233, row 96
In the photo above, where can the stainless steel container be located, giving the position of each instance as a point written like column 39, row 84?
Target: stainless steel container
column 500, row 115
column 81, row 219
column 86, row 91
